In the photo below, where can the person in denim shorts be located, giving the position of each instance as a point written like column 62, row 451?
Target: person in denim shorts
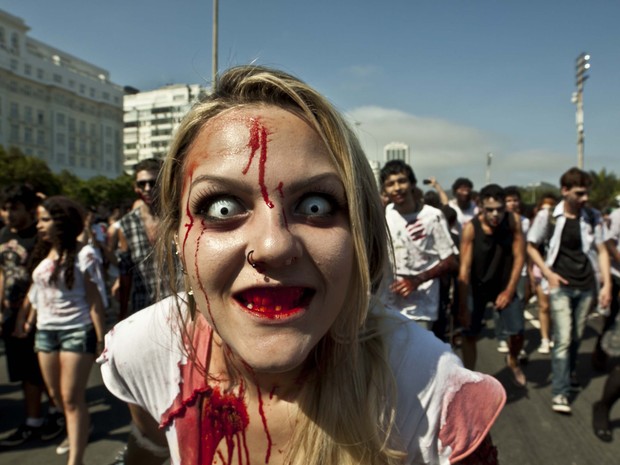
column 68, row 298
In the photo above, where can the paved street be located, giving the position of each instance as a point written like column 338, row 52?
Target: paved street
column 527, row 432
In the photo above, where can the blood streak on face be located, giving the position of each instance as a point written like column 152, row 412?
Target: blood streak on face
column 190, row 223
column 281, row 192
column 258, row 140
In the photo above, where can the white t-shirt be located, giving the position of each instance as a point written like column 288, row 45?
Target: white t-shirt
column 443, row 411
column 420, row 241
column 463, row 216
column 59, row 307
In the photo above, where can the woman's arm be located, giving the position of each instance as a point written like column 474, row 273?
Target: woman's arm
column 147, row 443
column 97, row 314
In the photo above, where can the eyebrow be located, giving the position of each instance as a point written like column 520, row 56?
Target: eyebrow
column 243, row 186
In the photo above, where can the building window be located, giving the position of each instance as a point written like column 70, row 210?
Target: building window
column 61, row 139
column 71, row 160
column 28, row 135
column 72, row 124
column 58, row 78
column 28, row 70
column 28, row 114
column 92, row 92
column 60, row 119
column 14, row 44
column 71, row 83
column 82, row 88
column 106, row 96
column 60, row 158
column 13, row 64
column 40, row 117
column 14, row 134
column 82, row 127
column 40, row 73
column 14, row 110
column 40, row 137
column 82, row 162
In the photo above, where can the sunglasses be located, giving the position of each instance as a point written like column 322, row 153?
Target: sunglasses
column 146, row 182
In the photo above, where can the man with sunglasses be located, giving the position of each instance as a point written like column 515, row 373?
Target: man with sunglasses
column 136, row 239
column 492, row 255
column 576, row 256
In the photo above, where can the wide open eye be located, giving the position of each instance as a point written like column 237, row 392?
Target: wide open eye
column 223, row 208
column 315, row 205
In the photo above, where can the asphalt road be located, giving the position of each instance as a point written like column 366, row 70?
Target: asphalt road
column 527, row 432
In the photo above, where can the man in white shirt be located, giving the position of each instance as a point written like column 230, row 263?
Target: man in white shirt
column 423, row 248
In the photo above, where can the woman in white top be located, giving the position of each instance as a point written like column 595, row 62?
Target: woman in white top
column 67, row 297
column 276, row 349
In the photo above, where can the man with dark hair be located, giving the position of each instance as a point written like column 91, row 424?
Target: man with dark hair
column 463, row 203
column 136, row 239
column 492, row 256
column 513, row 204
column 576, row 254
column 423, row 249
column 17, row 240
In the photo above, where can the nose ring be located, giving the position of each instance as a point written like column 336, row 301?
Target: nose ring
column 249, row 258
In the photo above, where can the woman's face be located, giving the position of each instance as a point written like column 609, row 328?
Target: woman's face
column 44, row 224
column 259, row 179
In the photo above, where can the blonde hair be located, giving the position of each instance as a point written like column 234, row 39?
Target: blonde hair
column 346, row 412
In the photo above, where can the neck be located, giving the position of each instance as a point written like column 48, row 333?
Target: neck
column 570, row 211
column 410, row 206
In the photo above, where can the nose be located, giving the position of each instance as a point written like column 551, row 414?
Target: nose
column 271, row 240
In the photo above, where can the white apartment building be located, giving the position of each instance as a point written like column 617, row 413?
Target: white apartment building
column 57, row 107
column 151, row 117
column 396, row 151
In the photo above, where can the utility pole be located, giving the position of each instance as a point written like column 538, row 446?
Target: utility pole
column 214, row 59
column 489, row 158
column 582, row 65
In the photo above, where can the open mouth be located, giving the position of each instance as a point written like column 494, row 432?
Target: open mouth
column 275, row 302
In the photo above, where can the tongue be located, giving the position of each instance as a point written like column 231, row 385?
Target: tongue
column 273, row 299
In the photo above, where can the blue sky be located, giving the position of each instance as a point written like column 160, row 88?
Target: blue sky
column 454, row 79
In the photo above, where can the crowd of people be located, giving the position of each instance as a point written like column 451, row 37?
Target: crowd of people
column 266, row 289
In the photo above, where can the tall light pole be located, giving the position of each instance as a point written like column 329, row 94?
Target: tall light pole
column 581, row 66
column 489, row 159
column 214, row 58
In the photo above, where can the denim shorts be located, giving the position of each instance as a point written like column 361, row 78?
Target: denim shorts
column 80, row 340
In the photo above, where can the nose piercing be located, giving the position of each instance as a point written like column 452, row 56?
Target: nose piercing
column 250, row 261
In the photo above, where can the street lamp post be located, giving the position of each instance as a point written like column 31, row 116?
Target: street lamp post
column 215, row 35
column 489, row 158
column 582, row 65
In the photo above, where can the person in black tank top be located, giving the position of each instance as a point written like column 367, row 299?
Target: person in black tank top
column 492, row 256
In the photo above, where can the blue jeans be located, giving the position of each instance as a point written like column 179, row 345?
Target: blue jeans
column 569, row 309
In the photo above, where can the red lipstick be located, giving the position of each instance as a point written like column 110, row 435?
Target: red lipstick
column 275, row 303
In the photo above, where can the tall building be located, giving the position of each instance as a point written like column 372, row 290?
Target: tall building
column 57, row 107
column 396, row 151
column 151, row 118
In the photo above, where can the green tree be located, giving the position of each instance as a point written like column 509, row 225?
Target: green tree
column 15, row 167
column 605, row 187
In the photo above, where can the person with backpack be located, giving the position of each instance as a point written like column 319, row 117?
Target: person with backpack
column 576, row 262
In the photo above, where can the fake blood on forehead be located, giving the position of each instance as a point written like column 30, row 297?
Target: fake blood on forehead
column 258, row 140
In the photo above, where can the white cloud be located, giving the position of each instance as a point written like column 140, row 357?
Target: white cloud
column 447, row 150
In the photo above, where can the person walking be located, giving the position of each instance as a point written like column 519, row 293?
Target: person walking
column 576, row 258
column 67, row 297
column 492, row 256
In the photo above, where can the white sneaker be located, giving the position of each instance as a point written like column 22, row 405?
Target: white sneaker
column 545, row 346
column 560, row 404
column 63, row 447
column 502, row 347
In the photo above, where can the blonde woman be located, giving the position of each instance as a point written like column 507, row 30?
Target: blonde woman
column 275, row 349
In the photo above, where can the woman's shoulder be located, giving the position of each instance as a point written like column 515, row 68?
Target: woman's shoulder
column 455, row 407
